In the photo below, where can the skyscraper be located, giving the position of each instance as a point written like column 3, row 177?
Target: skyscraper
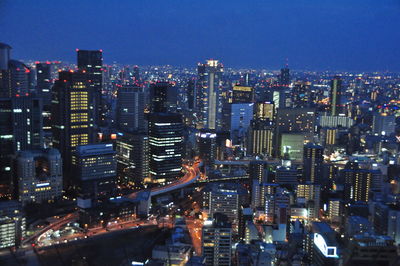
column 284, row 77
column 130, row 109
column 241, row 115
column 39, row 175
column 166, row 146
column 91, row 62
column 133, row 159
column 217, row 241
column 357, row 182
column 207, row 146
column 5, row 86
column 73, row 115
column 95, row 169
column 335, row 95
column 242, row 94
column 313, row 163
column 209, row 96
column 163, row 97
column 264, row 111
column 260, row 137
column 19, row 78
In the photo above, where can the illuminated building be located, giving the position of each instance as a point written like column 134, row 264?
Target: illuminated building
column 251, row 232
column 242, row 94
column 287, row 175
column 240, row 118
column 39, row 176
column 292, row 145
column 166, row 146
column 284, row 77
column 95, row 170
column 357, row 183
column 264, row 111
column 44, row 84
column 335, row 210
column 163, row 97
column 130, row 109
column 335, row 96
column 383, row 124
column 291, row 120
column 5, row 86
column 225, row 198
column 19, row 78
column 310, row 195
column 335, row 121
column 258, row 171
column 91, row 62
column 217, row 241
column 72, row 115
column 133, row 158
column 313, row 163
column 207, row 146
column 209, row 96
column 301, row 94
column 325, row 249
column 329, row 136
column 191, row 94
column 136, row 74
column 259, row 138
column 367, row 249
column 12, row 224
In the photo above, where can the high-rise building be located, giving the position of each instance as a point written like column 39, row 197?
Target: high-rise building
column 207, row 146
column 240, row 118
column 191, row 94
column 91, row 62
column 242, row 94
column 44, row 72
column 357, row 182
column 259, row 138
column 258, row 171
column 284, row 77
column 335, row 96
column 12, row 224
column 383, row 124
column 310, row 195
column 72, row 115
column 130, row 109
column 133, row 159
column 264, row 111
column 313, row 159
column 217, row 241
column 95, row 169
column 19, row 78
column 163, row 97
column 209, row 96
column 136, row 74
column 165, row 146
column 39, row 176
column 5, row 86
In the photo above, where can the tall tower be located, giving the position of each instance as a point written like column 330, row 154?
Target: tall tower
column 313, row 163
column 91, row 62
column 284, row 77
column 335, row 95
column 166, row 146
column 209, row 82
column 163, row 97
column 130, row 109
column 72, row 114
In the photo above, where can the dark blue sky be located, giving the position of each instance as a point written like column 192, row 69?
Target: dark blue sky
column 360, row 35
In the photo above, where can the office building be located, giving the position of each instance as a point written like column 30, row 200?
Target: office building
column 207, row 146
column 310, row 195
column 191, row 94
column 313, row 163
column 91, row 62
column 163, row 97
column 95, row 169
column 325, row 248
column 258, row 171
column 284, row 77
column 287, row 175
column 383, row 124
column 217, row 241
column 242, row 94
column 260, row 137
column 209, row 96
column 335, row 96
column 39, row 176
column 130, row 109
column 72, row 115
column 12, row 224
column 264, row 111
column 241, row 116
column 292, row 145
column 335, row 121
column 133, row 159
column 357, row 182
column 19, row 78
column 165, row 146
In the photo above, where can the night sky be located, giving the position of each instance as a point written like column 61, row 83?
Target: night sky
column 358, row 35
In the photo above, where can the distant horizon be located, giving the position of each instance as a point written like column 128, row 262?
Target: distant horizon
column 331, row 35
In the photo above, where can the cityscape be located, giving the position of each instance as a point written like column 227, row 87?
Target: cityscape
column 109, row 163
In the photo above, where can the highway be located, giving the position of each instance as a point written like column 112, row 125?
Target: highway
column 191, row 175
